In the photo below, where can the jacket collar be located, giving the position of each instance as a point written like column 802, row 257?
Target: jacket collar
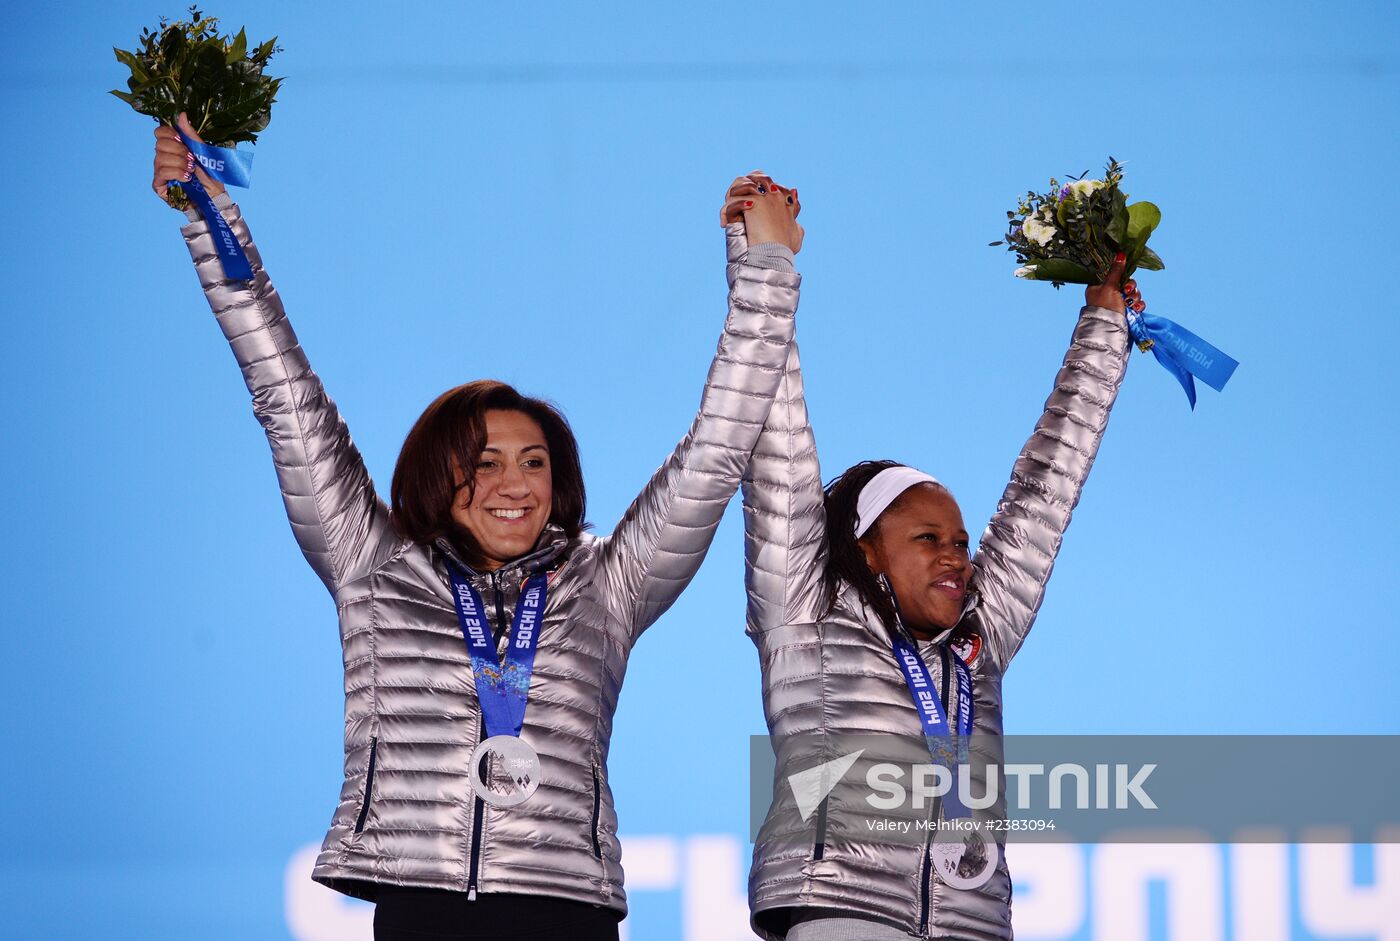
column 548, row 549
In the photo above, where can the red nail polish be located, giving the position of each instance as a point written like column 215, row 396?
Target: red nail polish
column 748, row 203
column 1119, row 258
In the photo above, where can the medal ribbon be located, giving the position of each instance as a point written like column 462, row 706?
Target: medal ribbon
column 1181, row 352
column 947, row 747
column 502, row 686
column 230, row 167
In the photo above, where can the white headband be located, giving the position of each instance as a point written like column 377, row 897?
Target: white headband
column 882, row 490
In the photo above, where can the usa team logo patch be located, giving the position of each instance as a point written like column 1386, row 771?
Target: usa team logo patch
column 968, row 647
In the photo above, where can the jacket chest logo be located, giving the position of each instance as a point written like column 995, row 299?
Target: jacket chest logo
column 968, row 647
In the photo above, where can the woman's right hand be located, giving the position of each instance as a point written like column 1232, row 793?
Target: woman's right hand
column 1114, row 293
column 769, row 211
column 175, row 162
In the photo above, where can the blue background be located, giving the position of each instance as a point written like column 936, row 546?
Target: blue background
column 530, row 192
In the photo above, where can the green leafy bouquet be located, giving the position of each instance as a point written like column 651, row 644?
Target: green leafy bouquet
column 1070, row 233
column 188, row 66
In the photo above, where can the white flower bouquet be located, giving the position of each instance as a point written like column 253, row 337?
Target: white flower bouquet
column 1071, row 233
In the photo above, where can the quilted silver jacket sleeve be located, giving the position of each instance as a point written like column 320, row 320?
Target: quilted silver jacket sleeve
column 663, row 537
column 1018, row 549
column 784, row 514
column 340, row 523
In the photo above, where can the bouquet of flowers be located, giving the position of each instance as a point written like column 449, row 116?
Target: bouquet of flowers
column 188, row 66
column 1070, row 235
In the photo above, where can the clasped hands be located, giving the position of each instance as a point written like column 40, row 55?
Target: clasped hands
column 768, row 210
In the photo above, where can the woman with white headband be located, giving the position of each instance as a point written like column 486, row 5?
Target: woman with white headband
column 863, row 601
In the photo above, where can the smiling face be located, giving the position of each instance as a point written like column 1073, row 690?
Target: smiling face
column 512, row 495
column 921, row 545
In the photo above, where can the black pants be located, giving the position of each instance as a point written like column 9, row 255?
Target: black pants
column 413, row 914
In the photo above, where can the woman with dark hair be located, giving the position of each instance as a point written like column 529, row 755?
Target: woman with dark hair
column 485, row 633
column 872, row 619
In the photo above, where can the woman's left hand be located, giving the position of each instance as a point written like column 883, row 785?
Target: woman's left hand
column 1109, row 294
column 769, row 211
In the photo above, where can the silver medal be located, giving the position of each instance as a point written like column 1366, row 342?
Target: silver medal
column 964, row 859
column 505, row 771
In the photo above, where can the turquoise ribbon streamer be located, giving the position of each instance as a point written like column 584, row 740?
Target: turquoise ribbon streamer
column 232, row 168
column 1181, row 352
column 229, row 166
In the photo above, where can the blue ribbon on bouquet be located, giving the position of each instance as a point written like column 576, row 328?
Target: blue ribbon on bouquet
column 231, row 168
column 1181, row 352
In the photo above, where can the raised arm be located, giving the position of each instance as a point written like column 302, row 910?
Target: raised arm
column 664, row 535
column 784, row 515
column 1018, row 549
column 338, row 520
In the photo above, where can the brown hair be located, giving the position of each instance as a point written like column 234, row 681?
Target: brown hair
column 452, row 430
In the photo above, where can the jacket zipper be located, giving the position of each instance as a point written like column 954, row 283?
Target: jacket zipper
column 819, row 850
column 479, row 813
column 597, row 806
column 924, row 890
column 369, row 784
column 500, row 609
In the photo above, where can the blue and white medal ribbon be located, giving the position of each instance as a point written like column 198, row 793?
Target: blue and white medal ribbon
column 231, row 168
column 947, row 747
column 1181, row 352
column 961, row 854
column 505, row 770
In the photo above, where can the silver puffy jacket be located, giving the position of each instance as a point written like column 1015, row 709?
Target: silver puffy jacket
column 833, row 673
column 407, row 814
